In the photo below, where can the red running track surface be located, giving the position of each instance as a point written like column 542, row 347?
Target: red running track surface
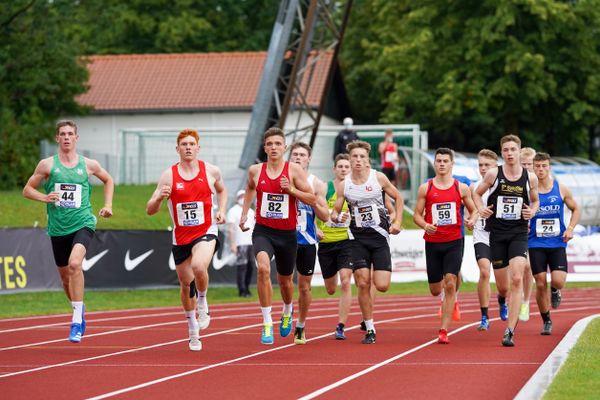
column 144, row 354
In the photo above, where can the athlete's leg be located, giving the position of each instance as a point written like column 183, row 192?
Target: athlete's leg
column 516, row 266
column 541, row 293
column 304, row 296
column 286, row 287
column 381, row 280
column 558, row 279
column 362, row 278
column 263, row 279
column 450, row 283
column 345, row 295
column 76, row 278
column 483, row 285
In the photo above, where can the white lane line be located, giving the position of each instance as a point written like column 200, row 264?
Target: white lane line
column 343, row 381
column 537, row 385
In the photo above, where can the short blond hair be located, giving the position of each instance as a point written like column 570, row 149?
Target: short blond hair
column 358, row 144
column 487, row 153
column 510, row 138
column 527, row 152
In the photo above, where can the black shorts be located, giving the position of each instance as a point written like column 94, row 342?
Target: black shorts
column 483, row 251
column 305, row 259
column 542, row 258
column 279, row 243
column 62, row 245
column 371, row 250
column 390, row 173
column 182, row 252
column 334, row 256
column 506, row 246
column 443, row 258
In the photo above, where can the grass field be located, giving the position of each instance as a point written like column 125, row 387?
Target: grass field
column 129, row 210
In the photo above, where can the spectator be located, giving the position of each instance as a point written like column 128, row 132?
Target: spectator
column 240, row 244
column 344, row 137
column 388, row 153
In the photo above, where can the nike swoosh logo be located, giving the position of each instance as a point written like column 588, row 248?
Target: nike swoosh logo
column 131, row 264
column 87, row 264
column 172, row 262
column 219, row 263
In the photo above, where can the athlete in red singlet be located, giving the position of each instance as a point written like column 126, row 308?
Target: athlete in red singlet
column 277, row 185
column 388, row 152
column 189, row 187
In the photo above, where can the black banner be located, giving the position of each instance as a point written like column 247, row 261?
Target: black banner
column 115, row 259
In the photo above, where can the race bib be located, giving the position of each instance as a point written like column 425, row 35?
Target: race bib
column 366, row 216
column 190, row 214
column 444, row 214
column 301, row 221
column 275, row 206
column 390, row 156
column 509, row 208
column 547, row 227
column 69, row 195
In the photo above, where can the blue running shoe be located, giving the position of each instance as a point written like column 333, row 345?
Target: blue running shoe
column 503, row 312
column 83, row 320
column 75, row 335
column 339, row 332
column 267, row 334
column 485, row 324
column 286, row 325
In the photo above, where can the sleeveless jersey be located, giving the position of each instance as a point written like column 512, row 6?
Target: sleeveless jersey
column 73, row 210
column 442, row 208
column 275, row 208
column 306, row 228
column 480, row 235
column 548, row 226
column 367, row 207
column 333, row 231
column 508, row 198
column 191, row 207
column 388, row 156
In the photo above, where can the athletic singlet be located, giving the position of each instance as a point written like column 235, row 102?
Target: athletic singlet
column 388, row 156
column 442, row 208
column 548, row 224
column 275, row 208
column 190, row 206
column 306, row 229
column 367, row 207
column 480, row 235
column 73, row 210
column 333, row 231
column 508, row 198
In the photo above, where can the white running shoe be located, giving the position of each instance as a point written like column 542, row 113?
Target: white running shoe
column 203, row 316
column 195, row 343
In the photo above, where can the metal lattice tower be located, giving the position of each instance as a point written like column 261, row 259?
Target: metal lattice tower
column 305, row 31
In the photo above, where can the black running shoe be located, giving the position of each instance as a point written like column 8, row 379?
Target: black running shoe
column 555, row 299
column 547, row 329
column 363, row 326
column 369, row 337
column 507, row 340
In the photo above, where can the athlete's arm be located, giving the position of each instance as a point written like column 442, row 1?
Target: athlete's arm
column 253, row 172
column 221, row 193
column 339, row 202
column 300, row 188
column 467, row 200
column 94, row 168
column 575, row 211
column 395, row 194
column 231, row 231
column 41, row 172
column 488, row 181
column 534, row 199
column 163, row 191
column 321, row 209
column 418, row 216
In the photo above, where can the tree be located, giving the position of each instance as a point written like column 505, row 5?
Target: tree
column 470, row 71
column 39, row 77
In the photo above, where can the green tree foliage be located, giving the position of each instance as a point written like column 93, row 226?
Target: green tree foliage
column 172, row 26
column 470, row 71
column 39, row 77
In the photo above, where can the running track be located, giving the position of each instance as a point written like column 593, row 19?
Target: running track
column 144, row 354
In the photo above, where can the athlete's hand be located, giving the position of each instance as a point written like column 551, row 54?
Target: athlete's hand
column 165, row 192
column 430, row 229
column 395, row 228
column 106, row 212
column 486, row 212
column 284, row 182
column 220, row 217
column 343, row 217
column 335, row 217
column 470, row 223
column 52, row 197
column 528, row 212
column 243, row 220
column 568, row 235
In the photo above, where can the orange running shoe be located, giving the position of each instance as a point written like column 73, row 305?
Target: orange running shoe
column 443, row 337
